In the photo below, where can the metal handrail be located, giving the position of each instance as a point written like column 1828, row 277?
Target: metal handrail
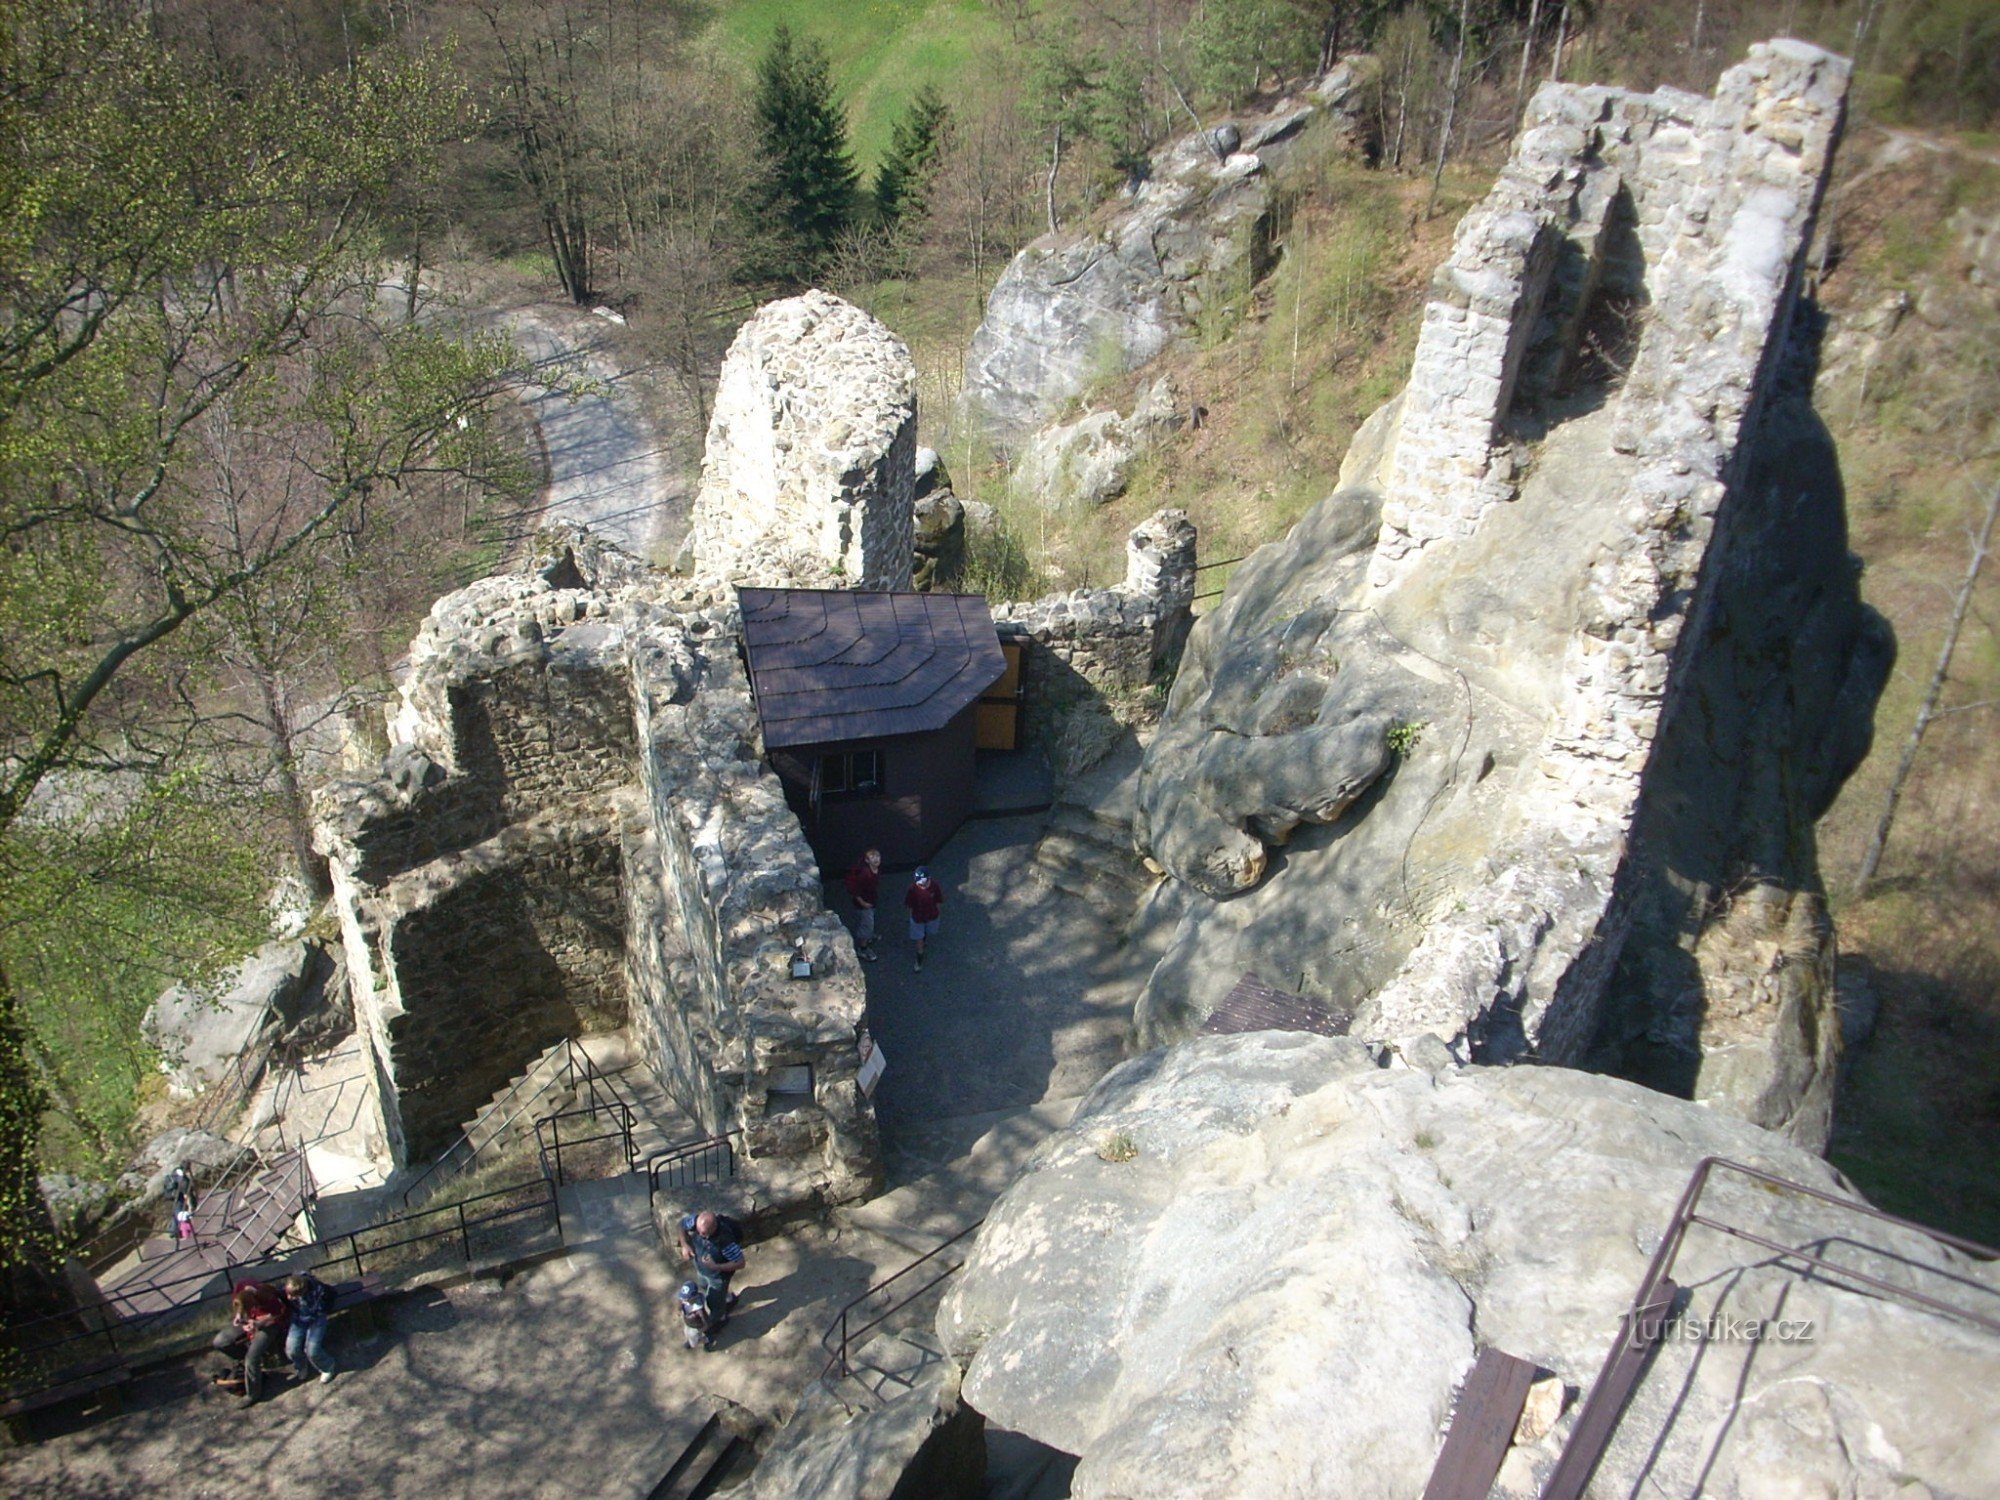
column 705, row 1150
column 573, row 1060
column 1598, row 1417
column 618, row 1109
column 837, row 1352
column 320, row 1254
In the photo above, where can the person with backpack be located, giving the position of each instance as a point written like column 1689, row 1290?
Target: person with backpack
column 312, row 1301
column 714, row 1242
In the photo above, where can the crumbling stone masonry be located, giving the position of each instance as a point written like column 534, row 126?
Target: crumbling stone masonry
column 576, row 832
column 1107, row 647
column 808, row 477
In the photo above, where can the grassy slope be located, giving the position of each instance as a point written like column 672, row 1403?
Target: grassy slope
column 882, row 51
column 1918, row 1126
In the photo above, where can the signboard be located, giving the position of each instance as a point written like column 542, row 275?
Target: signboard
column 873, row 1066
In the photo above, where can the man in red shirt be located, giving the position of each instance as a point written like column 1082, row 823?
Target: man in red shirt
column 925, row 899
column 864, row 884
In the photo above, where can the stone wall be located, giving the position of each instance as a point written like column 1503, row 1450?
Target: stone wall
column 1445, row 693
column 496, row 954
column 581, row 831
column 808, row 477
column 1094, row 649
column 739, row 893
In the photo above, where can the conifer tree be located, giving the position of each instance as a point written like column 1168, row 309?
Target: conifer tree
column 805, row 199
column 902, row 182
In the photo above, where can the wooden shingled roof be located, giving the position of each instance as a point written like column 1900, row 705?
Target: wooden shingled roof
column 1256, row 1006
column 830, row 665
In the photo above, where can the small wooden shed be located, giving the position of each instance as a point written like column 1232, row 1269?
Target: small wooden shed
column 868, row 705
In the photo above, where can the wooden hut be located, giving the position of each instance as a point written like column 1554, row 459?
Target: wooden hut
column 868, row 704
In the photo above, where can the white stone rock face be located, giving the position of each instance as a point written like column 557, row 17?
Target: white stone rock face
column 1561, row 537
column 808, row 478
column 1280, row 1292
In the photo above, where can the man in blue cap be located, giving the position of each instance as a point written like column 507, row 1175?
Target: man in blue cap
column 925, row 899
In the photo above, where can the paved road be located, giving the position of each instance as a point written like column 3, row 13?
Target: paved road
column 608, row 465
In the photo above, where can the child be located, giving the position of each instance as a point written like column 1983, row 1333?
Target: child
column 694, row 1317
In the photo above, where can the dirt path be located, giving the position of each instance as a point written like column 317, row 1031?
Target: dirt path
column 608, row 466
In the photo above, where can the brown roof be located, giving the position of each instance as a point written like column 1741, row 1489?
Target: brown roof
column 830, row 665
column 1255, row 1006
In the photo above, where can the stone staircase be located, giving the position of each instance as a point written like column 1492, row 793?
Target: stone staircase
column 1086, row 850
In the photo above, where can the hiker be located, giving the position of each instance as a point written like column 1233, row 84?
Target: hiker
column 925, row 899
column 258, row 1318
column 864, row 883
column 177, row 1187
column 714, row 1242
column 305, row 1345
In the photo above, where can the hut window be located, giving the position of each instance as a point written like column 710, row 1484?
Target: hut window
column 853, row 772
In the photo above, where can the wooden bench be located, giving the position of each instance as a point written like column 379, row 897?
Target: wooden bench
column 108, row 1373
column 359, row 1294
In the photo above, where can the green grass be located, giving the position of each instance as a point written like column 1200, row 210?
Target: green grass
column 881, row 51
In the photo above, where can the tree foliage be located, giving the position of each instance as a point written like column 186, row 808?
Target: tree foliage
column 903, row 180
column 176, row 243
column 805, row 193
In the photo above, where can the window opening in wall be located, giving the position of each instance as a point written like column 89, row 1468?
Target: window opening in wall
column 791, row 1088
column 851, row 773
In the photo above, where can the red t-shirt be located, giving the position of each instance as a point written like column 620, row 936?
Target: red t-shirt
column 263, row 1304
column 863, row 884
column 924, row 901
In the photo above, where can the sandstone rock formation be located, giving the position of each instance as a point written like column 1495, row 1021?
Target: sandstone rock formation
column 1089, row 461
column 921, row 1443
column 1564, row 672
column 200, row 1036
column 806, row 481
column 1096, row 301
column 1262, row 1265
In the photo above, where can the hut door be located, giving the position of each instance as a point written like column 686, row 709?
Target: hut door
column 998, row 718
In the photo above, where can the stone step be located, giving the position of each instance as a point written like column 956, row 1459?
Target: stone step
column 703, row 1458
column 1090, row 872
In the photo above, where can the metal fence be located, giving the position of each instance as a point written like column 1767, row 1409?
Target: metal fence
column 848, row 1330
column 501, row 1225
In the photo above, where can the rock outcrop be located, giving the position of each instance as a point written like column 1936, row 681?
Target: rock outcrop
column 1264, row 1265
column 1089, row 461
column 1589, row 570
column 807, row 478
column 1094, row 302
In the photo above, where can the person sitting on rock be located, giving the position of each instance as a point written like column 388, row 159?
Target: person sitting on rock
column 258, row 1319
column 713, row 1242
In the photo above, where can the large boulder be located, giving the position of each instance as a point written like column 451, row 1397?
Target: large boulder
column 1264, row 1264
column 921, row 1443
column 1093, row 302
column 200, row 1034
